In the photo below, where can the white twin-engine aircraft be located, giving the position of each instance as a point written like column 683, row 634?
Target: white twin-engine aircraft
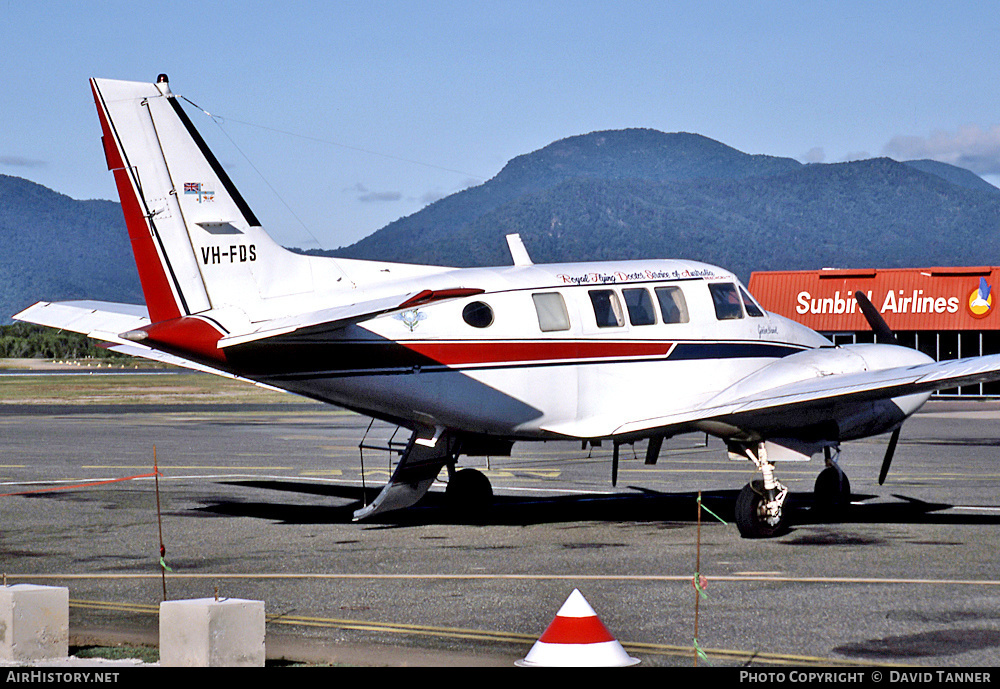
column 472, row 360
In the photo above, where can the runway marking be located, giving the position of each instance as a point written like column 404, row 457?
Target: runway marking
column 188, row 467
column 494, row 636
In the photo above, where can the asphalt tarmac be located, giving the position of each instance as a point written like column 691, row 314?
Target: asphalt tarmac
column 256, row 496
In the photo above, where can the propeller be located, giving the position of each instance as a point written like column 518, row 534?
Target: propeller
column 884, row 334
column 887, row 460
column 875, row 319
column 614, row 467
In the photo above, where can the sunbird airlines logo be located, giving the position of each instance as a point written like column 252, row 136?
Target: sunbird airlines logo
column 980, row 302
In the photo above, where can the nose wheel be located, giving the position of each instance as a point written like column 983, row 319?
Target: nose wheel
column 759, row 512
column 760, row 509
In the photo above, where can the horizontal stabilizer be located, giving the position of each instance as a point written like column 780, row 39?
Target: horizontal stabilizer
column 86, row 316
column 105, row 322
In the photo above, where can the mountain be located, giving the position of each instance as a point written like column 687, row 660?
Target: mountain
column 642, row 154
column 53, row 247
column 955, row 175
column 638, row 193
column 606, row 195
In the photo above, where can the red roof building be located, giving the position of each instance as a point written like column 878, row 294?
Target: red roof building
column 947, row 313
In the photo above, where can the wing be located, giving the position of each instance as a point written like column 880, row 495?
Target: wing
column 801, row 404
column 341, row 316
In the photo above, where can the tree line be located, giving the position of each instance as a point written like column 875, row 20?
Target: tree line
column 28, row 341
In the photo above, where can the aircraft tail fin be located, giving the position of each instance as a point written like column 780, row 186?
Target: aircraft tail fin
column 198, row 246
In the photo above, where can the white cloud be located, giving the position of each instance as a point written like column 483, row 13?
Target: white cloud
column 437, row 194
column 971, row 147
column 20, row 161
column 366, row 195
column 432, row 196
column 814, row 155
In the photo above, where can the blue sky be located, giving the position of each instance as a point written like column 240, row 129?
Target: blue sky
column 335, row 118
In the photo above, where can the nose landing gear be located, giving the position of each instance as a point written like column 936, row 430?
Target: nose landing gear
column 760, row 506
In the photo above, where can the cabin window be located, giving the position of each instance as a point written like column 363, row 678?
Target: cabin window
column 639, row 306
column 751, row 305
column 726, row 300
column 478, row 314
column 673, row 307
column 607, row 308
column 550, row 307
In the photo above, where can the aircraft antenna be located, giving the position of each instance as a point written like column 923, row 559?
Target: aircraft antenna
column 478, row 178
column 218, row 122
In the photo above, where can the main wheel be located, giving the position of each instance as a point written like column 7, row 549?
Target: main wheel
column 469, row 492
column 833, row 490
column 752, row 518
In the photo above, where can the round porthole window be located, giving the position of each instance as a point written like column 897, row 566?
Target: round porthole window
column 478, row 314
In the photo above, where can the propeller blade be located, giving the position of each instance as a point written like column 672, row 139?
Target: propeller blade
column 614, row 467
column 875, row 319
column 653, row 449
column 889, row 452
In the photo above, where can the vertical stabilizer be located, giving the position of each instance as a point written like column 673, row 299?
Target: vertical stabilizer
column 197, row 244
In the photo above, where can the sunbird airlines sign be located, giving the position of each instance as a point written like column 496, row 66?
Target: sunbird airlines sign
column 917, row 299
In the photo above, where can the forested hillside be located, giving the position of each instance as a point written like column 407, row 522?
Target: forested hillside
column 636, row 193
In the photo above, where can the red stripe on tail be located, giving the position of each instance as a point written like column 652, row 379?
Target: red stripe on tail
column 159, row 297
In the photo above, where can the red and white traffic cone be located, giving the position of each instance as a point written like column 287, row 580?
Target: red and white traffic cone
column 576, row 638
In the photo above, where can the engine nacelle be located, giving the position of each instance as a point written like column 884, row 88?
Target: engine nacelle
column 813, row 426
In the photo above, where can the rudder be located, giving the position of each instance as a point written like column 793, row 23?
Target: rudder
column 198, row 246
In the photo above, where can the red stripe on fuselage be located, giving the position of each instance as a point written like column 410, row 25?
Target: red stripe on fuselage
column 160, row 300
column 493, row 352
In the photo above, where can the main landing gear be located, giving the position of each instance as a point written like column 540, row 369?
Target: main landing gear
column 832, row 493
column 468, row 492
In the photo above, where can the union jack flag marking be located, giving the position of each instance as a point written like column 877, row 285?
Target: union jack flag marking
column 196, row 188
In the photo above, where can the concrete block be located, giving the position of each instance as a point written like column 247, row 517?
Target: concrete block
column 205, row 632
column 34, row 622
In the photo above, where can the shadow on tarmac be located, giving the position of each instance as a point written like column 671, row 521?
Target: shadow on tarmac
column 643, row 505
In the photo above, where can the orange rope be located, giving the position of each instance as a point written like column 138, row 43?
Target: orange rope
column 81, row 485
